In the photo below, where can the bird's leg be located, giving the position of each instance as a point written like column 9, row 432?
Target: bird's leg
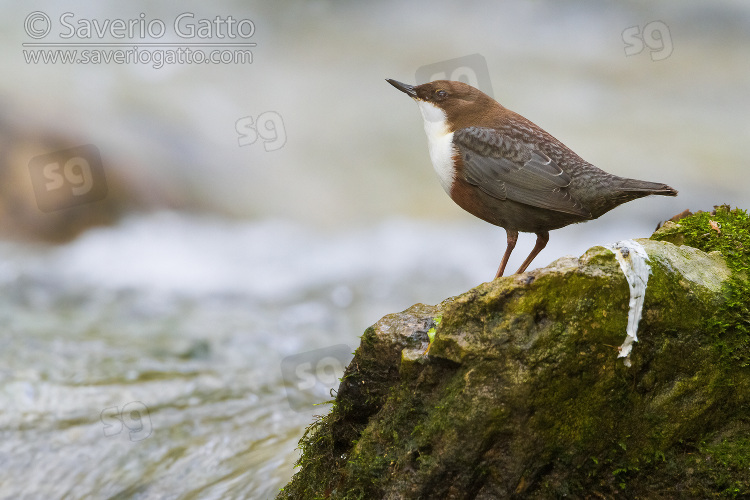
column 542, row 237
column 512, row 239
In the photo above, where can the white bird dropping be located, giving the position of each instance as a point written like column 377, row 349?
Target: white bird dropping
column 633, row 261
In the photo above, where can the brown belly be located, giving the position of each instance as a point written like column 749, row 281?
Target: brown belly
column 507, row 213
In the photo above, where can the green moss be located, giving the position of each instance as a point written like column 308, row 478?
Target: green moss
column 728, row 232
column 727, row 464
column 432, row 331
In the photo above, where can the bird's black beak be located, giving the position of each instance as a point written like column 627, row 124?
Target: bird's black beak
column 406, row 89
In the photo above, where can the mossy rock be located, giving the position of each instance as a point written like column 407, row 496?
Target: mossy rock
column 522, row 394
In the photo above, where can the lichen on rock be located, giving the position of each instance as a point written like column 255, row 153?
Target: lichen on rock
column 522, row 394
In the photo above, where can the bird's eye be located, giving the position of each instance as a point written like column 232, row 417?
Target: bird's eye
column 441, row 94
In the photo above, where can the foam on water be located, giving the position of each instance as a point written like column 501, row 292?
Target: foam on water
column 175, row 254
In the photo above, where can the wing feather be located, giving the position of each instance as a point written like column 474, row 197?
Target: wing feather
column 506, row 168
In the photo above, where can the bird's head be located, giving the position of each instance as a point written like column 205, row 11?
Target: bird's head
column 456, row 104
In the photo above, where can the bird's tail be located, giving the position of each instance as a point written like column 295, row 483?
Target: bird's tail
column 647, row 188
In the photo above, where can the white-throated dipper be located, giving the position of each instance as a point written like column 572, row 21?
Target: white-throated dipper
column 504, row 169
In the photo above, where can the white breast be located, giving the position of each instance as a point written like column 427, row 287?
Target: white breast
column 439, row 142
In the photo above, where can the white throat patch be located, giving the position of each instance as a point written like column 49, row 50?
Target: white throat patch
column 439, row 142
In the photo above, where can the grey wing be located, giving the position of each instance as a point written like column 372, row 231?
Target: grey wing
column 507, row 169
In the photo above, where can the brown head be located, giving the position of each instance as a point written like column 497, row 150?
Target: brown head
column 462, row 105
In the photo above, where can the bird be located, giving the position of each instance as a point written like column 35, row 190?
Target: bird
column 508, row 171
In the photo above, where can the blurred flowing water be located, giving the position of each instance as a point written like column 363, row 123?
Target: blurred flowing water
column 181, row 352
column 145, row 360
